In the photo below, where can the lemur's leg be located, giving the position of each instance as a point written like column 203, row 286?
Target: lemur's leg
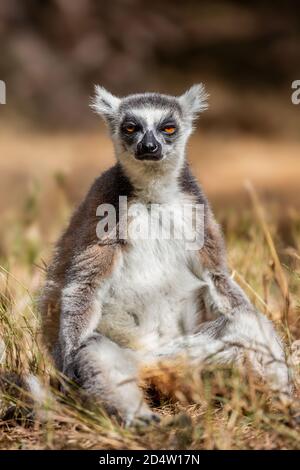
column 238, row 331
column 108, row 373
column 251, row 331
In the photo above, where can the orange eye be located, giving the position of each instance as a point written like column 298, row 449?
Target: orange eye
column 169, row 129
column 130, row 129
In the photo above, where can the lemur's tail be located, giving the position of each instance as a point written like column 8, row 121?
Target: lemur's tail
column 22, row 395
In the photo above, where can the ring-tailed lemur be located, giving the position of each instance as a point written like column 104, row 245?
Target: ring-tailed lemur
column 111, row 305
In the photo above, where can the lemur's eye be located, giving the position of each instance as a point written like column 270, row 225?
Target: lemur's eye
column 169, row 129
column 130, row 127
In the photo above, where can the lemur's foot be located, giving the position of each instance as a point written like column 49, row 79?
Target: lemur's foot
column 142, row 419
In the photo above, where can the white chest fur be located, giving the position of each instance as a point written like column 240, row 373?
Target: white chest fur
column 152, row 296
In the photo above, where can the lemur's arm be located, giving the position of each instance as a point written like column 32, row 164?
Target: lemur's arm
column 79, row 312
column 82, row 261
column 221, row 294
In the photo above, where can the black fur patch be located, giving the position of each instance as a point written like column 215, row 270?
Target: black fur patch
column 189, row 184
column 115, row 183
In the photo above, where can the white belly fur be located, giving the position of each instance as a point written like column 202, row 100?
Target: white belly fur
column 151, row 297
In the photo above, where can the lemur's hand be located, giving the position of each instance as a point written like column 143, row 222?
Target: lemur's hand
column 70, row 357
column 217, row 295
column 223, row 296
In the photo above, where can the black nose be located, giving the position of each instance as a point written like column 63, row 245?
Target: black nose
column 148, row 144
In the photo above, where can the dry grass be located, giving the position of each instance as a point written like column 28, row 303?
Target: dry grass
column 209, row 409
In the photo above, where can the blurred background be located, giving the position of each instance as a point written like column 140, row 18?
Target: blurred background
column 52, row 147
column 53, row 52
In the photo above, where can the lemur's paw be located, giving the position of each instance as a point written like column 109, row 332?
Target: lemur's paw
column 142, row 419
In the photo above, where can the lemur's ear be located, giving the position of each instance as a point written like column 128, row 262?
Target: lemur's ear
column 104, row 103
column 194, row 101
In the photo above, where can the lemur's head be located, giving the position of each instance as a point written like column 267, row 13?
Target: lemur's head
column 150, row 128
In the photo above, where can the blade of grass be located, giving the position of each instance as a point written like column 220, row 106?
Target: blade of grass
column 279, row 273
